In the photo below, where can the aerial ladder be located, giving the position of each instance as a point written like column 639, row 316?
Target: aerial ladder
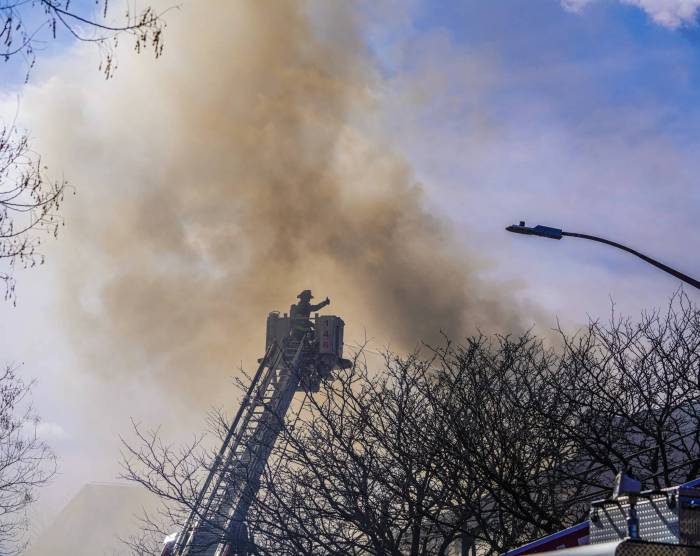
column 298, row 356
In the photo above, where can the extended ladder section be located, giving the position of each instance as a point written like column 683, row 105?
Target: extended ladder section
column 216, row 525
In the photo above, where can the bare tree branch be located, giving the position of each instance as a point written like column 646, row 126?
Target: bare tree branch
column 500, row 440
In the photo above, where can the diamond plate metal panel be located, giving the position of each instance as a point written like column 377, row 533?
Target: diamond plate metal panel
column 657, row 521
column 651, row 549
column 671, row 516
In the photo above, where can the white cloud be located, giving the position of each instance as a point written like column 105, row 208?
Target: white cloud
column 669, row 13
column 575, row 5
column 50, row 431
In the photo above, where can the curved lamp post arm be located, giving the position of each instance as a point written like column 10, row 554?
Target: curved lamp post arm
column 657, row 264
column 556, row 233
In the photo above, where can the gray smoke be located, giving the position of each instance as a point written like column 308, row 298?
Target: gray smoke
column 216, row 183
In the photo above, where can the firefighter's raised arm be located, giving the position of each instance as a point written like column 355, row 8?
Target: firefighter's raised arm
column 304, row 307
column 321, row 305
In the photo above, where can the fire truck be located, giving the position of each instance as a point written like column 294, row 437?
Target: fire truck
column 298, row 357
column 631, row 522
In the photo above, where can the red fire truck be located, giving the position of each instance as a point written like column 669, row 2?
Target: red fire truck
column 647, row 523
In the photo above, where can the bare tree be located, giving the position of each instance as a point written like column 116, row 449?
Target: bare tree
column 28, row 205
column 26, row 26
column 364, row 473
column 29, row 200
column 358, row 473
column 26, row 462
column 633, row 390
column 544, row 431
column 502, row 439
column 496, row 441
column 411, row 459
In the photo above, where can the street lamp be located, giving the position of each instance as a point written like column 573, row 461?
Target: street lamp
column 556, row 233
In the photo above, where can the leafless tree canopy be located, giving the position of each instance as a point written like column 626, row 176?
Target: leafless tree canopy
column 494, row 440
column 29, row 200
column 28, row 205
column 26, row 462
column 27, row 25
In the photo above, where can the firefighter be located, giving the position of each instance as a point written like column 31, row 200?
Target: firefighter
column 300, row 313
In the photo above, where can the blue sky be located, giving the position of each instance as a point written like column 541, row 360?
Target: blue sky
column 610, row 56
column 585, row 120
column 46, row 46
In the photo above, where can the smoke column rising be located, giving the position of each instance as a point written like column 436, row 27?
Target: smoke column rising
column 216, row 183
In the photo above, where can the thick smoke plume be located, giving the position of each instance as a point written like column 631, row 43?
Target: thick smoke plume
column 215, row 184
